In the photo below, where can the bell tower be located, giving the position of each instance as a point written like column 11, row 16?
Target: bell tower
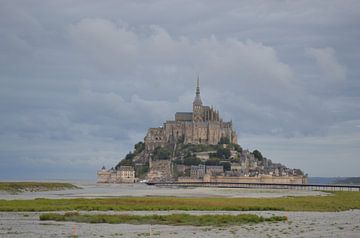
column 197, row 104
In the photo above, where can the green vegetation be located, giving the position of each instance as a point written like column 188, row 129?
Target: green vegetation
column 18, row 187
column 128, row 160
column 257, row 154
column 338, row 201
column 185, row 153
column 237, row 148
column 192, row 160
column 223, row 153
column 161, row 153
column 183, row 149
column 141, row 171
column 173, row 219
column 139, row 147
column 212, row 161
column 224, row 140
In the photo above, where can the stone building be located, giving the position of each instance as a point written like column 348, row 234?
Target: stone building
column 199, row 171
column 201, row 126
column 125, row 174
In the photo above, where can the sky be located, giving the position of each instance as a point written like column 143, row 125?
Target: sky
column 82, row 81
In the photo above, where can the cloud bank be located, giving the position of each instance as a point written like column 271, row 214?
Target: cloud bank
column 80, row 85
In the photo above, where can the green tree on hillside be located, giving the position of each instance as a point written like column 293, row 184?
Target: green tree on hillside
column 139, row 147
column 141, row 171
column 192, row 161
column 257, row 155
column 223, row 153
column 212, row 161
column 161, row 153
column 127, row 161
column 237, row 148
column 224, row 140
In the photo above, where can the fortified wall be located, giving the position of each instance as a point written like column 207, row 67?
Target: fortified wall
column 243, row 179
column 160, row 171
column 126, row 174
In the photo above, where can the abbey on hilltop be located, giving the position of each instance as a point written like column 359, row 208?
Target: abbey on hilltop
column 201, row 126
column 197, row 146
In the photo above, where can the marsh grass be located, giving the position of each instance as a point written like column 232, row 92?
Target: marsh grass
column 18, row 187
column 173, row 219
column 337, row 201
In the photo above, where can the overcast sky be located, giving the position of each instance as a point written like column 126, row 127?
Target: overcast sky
column 81, row 81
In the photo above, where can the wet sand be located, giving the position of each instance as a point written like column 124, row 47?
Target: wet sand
column 92, row 190
column 300, row 224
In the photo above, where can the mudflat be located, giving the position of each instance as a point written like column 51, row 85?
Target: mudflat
column 93, row 190
column 299, row 224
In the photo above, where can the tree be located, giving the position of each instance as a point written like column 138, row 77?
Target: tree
column 178, row 161
column 212, row 161
column 129, row 156
column 141, row 171
column 237, row 148
column 257, row 155
column 192, row 161
column 127, row 161
column 223, row 153
column 139, row 147
column 161, row 153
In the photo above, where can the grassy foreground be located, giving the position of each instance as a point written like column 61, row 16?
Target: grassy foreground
column 18, row 187
column 337, row 201
column 173, row 219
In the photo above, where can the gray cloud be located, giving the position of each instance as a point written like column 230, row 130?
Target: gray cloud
column 84, row 75
column 329, row 66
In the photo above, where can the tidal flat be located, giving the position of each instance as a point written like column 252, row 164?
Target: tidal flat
column 299, row 224
column 334, row 201
column 308, row 213
column 93, row 190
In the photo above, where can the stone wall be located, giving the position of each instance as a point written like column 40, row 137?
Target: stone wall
column 189, row 180
column 103, row 176
column 194, row 132
column 114, row 176
column 243, row 179
column 160, row 171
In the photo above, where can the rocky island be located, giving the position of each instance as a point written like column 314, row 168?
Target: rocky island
column 197, row 146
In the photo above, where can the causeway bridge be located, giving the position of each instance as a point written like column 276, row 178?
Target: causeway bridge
column 322, row 187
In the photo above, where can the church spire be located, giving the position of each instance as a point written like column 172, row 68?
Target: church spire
column 197, row 100
column 198, row 87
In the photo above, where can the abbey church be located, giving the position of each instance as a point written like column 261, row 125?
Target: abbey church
column 201, row 126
